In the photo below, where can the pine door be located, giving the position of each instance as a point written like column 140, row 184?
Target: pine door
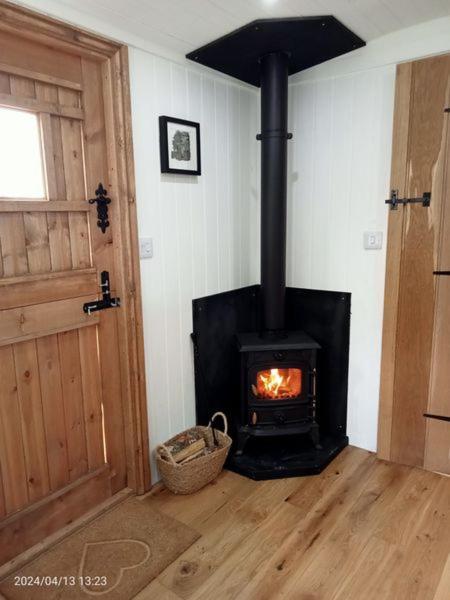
column 63, row 422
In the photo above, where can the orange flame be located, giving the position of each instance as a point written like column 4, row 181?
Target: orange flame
column 278, row 384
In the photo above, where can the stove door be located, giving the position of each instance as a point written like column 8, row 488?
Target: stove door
column 277, row 383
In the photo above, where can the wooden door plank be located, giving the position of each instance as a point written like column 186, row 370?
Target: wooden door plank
column 58, row 156
column 12, row 458
column 13, row 246
column 420, row 240
column 72, row 396
column 20, row 532
column 59, row 241
column 79, row 240
column 92, row 396
column 68, row 97
column 76, row 192
column 45, row 122
column 53, row 410
column 37, row 289
column 30, row 402
column 58, row 223
column 31, row 104
column 30, row 322
column 96, row 153
column 37, row 243
column 42, row 206
column 48, row 93
column 112, row 400
column 37, row 76
column 22, row 87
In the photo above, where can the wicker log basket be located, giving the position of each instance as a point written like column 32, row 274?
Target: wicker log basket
column 191, row 476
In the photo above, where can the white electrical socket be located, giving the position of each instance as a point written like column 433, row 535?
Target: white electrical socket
column 373, row 240
column 146, row 247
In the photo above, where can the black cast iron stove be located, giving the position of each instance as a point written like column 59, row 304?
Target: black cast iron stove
column 279, row 376
column 278, row 387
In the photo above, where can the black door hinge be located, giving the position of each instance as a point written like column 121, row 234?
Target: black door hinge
column 102, row 202
column 106, row 301
column 394, row 200
column 438, row 417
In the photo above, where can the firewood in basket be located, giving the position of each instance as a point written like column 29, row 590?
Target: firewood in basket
column 193, row 448
column 182, row 440
column 196, row 455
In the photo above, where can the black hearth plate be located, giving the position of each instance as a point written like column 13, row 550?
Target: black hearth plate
column 290, row 456
column 309, row 41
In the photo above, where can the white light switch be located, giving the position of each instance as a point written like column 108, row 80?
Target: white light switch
column 373, row 240
column 146, row 247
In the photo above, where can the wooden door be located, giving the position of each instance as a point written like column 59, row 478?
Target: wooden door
column 414, row 424
column 67, row 436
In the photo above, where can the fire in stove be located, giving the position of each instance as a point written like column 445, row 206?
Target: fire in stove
column 278, row 384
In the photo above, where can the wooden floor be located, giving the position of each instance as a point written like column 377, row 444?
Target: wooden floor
column 364, row 529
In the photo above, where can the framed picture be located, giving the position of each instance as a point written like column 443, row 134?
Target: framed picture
column 179, row 146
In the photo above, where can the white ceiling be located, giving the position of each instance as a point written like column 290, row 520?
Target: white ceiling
column 183, row 25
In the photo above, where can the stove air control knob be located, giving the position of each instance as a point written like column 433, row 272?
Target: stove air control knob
column 278, row 355
column 279, row 417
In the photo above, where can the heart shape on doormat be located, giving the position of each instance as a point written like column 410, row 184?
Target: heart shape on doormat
column 96, row 553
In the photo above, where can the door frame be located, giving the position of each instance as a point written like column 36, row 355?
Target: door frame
column 399, row 174
column 116, row 93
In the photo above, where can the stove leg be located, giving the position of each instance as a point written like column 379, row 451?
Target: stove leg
column 315, row 436
column 242, row 439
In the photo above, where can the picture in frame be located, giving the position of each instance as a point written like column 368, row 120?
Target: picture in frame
column 179, row 146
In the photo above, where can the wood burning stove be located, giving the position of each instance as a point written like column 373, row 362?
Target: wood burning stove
column 278, row 387
column 277, row 397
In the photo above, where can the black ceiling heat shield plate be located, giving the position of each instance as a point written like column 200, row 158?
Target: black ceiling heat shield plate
column 308, row 41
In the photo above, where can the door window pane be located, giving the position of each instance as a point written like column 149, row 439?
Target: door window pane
column 21, row 169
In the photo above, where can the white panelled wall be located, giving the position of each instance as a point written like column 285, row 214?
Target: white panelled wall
column 339, row 169
column 202, row 230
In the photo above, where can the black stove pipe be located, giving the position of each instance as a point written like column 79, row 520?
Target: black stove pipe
column 273, row 136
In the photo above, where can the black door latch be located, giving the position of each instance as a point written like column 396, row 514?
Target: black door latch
column 106, row 301
column 394, row 200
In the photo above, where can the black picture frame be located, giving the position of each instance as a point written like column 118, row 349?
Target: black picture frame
column 164, row 145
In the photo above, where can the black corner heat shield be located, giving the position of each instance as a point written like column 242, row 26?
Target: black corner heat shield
column 323, row 315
